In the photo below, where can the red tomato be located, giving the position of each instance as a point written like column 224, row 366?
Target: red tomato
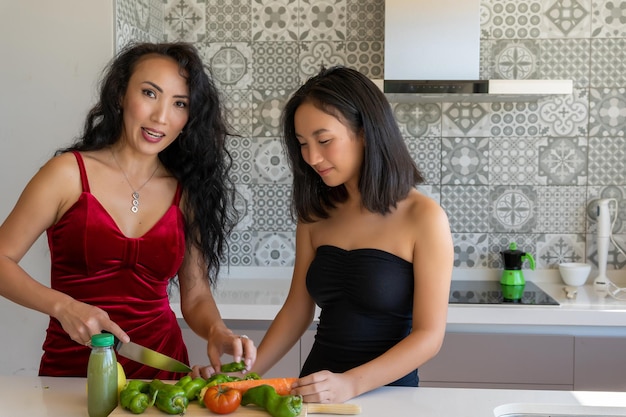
column 222, row 400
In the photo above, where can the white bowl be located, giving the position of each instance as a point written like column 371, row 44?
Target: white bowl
column 574, row 274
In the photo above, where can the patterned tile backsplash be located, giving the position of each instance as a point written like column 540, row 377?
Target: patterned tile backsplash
column 527, row 172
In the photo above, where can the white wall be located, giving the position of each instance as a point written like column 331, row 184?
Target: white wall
column 51, row 57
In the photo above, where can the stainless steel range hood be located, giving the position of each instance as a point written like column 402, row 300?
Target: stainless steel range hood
column 432, row 52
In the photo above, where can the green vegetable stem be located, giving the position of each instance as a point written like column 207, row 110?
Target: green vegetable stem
column 134, row 396
column 170, row 399
column 277, row 405
column 233, row 367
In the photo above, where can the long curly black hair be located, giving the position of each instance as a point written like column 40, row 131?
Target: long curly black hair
column 198, row 159
column 388, row 172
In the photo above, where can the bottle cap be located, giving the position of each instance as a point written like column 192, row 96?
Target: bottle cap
column 102, row 340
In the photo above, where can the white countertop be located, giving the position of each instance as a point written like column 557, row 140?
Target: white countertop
column 30, row 396
column 259, row 299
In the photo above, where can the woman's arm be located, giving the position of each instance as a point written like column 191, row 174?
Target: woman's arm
column 203, row 317
column 432, row 268
column 297, row 312
column 46, row 197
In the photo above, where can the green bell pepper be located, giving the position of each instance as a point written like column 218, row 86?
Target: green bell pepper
column 277, row 405
column 170, row 399
column 135, row 398
column 233, row 367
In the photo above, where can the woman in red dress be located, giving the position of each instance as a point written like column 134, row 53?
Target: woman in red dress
column 141, row 198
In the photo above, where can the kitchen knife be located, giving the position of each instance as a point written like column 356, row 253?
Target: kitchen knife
column 150, row 357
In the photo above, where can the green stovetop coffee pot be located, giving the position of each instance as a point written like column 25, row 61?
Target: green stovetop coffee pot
column 512, row 280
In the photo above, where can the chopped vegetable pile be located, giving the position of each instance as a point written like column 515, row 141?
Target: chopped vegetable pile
column 221, row 394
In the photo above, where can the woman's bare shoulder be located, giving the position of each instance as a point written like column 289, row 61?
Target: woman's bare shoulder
column 424, row 210
column 58, row 179
column 60, row 166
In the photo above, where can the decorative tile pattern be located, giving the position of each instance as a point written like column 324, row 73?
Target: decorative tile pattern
column 243, row 204
column 514, row 119
column 464, row 119
column 607, row 112
column 322, row 20
column 274, row 249
column 275, row 64
column 140, row 21
column 314, row 55
column 561, row 209
column 418, row 119
column 513, row 160
column 569, row 18
column 267, row 106
column 564, row 115
column 513, row 209
column 470, row 250
column 270, row 163
column 185, row 20
column 228, row 21
column 559, row 248
column 366, row 57
column 563, row 161
column 240, row 149
column 608, row 19
column 238, row 105
column 240, row 245
column 365, row 20
column 467, row 206
column 564, row 59
column 515, row 60
column 526, row 172
column 230, row 63
column 275, row 20
column 270, row 207
column 465, row 161
column 426, row 152
column 512, row 19
column 608, row 62
column 607, row 161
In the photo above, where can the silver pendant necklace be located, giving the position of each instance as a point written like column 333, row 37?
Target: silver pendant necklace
column 135, row 195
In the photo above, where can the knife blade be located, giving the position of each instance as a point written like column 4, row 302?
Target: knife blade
column 150, row 357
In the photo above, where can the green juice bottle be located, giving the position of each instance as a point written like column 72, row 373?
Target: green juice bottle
column 101, row 376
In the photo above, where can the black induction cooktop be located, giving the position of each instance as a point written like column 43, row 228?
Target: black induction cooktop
column 490, row 292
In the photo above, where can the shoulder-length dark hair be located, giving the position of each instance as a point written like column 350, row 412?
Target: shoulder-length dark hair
column 198, row 159
column 388, row 172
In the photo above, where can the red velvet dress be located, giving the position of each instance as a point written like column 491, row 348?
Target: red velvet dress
column 94, row 262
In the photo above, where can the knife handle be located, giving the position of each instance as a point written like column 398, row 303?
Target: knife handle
column 347, row 408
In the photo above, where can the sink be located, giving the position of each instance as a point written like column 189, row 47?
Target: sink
column 556, row 410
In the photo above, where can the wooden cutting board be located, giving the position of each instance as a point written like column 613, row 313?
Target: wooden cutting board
column 194, row 410
column 248, row 411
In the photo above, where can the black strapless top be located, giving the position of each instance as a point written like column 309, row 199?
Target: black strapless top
column 366, row 301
